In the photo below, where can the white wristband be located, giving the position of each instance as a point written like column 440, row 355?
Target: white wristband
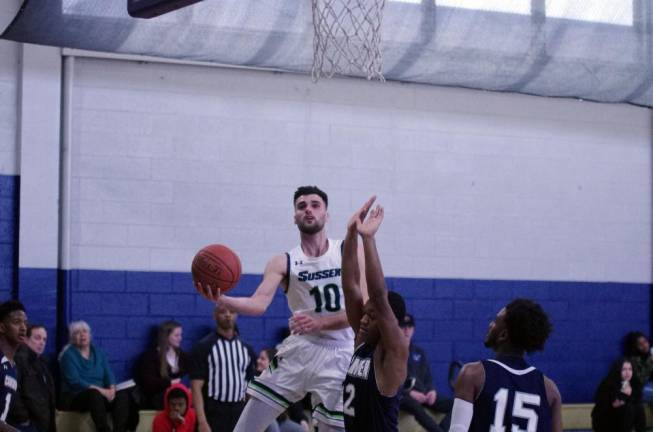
column 461, row 415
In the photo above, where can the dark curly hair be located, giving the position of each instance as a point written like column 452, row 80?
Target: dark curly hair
column 527, row 324
column 309, row 190
column 10, row 306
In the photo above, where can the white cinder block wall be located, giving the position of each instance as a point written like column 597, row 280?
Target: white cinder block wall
column 9, row 54
column 167, row 158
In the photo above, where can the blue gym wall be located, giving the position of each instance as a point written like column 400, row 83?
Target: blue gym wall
column 451, row 318
column 9, row 193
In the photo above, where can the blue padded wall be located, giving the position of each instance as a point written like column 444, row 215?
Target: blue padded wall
column 37, row 290
column 451, row 316
column 9, row 207
column 589, row 320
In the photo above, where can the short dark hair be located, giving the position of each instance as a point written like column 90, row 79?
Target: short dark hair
column 177, row 393
column 309, row 190
column 527, row 324
column 33, row 327
column 397, row 305
column 10, row 306
column 630, row 343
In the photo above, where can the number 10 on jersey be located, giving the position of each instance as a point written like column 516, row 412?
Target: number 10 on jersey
column 327, row 297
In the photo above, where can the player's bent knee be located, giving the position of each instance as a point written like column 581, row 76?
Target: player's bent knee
column 257, row 416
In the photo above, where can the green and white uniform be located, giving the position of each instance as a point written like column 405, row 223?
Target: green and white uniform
column 318, row 362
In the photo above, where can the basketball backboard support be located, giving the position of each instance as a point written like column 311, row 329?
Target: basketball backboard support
column 154, row 8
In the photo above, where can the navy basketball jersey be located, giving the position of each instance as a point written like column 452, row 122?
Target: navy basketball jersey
column 513, row 398
column 8, row 385
column 366, row 409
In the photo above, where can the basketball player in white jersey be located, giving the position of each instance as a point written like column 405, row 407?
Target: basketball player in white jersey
column 315, row 357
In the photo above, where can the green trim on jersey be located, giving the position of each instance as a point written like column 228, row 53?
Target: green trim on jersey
column 331, row 415
column 268, row 393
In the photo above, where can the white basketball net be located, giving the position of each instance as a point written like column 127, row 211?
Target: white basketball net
column 347, row 38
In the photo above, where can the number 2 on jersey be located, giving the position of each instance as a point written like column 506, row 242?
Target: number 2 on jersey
column 350, row 392
column 327, row 297
column 518, row 411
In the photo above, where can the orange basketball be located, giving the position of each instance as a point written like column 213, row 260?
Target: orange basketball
column 218, row 266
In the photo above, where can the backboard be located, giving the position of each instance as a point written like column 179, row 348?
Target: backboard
column 154, row 8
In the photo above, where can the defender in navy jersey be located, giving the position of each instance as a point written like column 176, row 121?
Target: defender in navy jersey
column 506, row 393
column 377, row 370
column 13, row 329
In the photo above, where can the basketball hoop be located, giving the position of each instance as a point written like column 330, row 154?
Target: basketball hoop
column 347, row 38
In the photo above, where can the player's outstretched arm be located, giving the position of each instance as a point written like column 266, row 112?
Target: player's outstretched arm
column 257, row 303
column 467, row 388
column 352, row 263
column 555, row 402
column 394, row 345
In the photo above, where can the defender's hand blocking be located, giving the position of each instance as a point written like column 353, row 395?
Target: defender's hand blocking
column 373, row 222
column 359, row 216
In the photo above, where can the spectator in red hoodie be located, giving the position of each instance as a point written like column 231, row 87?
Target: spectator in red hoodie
column 178, row 414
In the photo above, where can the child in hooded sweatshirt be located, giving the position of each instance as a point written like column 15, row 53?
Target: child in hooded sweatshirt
column 178, row 414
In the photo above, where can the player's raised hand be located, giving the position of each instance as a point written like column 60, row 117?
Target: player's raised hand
column 370, row 226
column 359, row 216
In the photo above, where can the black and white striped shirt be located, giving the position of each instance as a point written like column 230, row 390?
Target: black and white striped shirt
column 225, row 366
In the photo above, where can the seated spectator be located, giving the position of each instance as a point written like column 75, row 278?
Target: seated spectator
column 294, row 419
column 88, row 384
column 420, row 392
column 178, row 414
column 162, row 365
column 33, row 408
column 637, row 350
column 616, row 400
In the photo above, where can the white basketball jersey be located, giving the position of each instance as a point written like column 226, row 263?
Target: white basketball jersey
column 315, row 286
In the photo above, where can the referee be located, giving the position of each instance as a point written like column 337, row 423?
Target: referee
column 222, row 366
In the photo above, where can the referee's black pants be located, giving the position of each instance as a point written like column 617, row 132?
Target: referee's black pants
column 222, row 416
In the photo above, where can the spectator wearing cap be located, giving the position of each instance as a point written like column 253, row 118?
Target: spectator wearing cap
column 420, row 394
